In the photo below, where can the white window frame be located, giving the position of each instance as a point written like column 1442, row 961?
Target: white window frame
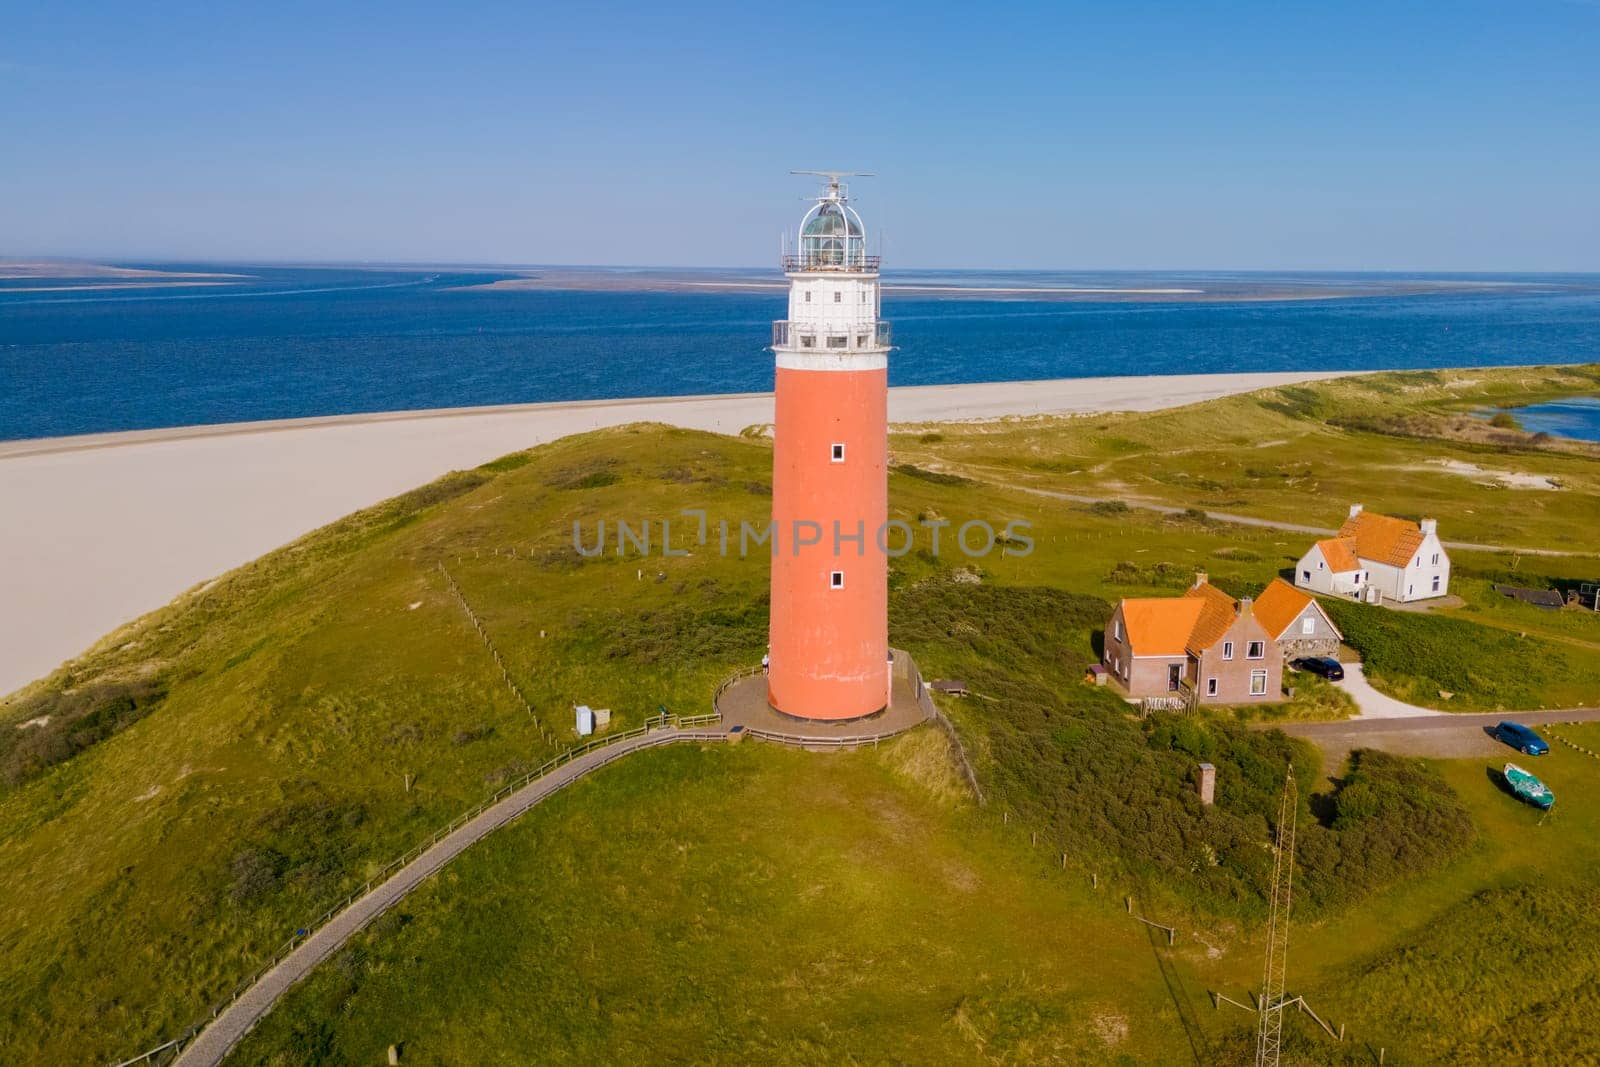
column 837, row 453
column 838, row 296
column 1117, row 629
column 1227, row 650
column 1254, row 644
column 836, row 579
column 1436, row 581
column 1261, row 678
column 1308, row 626
column 808, row 296
column 1211, row 687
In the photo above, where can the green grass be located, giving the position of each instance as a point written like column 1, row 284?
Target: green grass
column 747, row 904
column 1419, row 657
column 258, row 767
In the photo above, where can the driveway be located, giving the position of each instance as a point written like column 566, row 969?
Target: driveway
column 1371, row 704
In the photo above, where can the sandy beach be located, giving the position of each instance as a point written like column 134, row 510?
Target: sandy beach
column 96, row 530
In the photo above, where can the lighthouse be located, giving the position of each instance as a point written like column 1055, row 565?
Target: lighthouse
column 829, row 631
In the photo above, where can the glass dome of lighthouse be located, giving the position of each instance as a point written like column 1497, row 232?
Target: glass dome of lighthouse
column 831, row 234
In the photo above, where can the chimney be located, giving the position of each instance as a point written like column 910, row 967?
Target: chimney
column 1201, row 577
column 1208, row 784
column 1355, row 509
column 1429, row 526
column 1246, row 606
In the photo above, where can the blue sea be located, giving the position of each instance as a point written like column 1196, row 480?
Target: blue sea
column 298, row 341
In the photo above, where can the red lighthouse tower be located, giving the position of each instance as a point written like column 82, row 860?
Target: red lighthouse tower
column 829, row 633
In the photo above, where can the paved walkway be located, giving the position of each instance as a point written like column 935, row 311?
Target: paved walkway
column 744, row 704
column 216, row 1040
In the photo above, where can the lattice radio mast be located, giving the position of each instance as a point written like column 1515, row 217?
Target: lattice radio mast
column 1269, row 1037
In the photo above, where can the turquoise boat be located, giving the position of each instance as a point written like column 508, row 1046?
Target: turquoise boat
column 1528, row 788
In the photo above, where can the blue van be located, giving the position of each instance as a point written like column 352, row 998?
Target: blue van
column 1521, row 738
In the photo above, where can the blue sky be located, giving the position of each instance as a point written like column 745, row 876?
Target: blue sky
column 1448, row 136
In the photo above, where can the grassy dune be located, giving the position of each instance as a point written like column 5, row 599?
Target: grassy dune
column 213, row 775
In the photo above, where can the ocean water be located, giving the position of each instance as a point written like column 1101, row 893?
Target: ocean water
column 288, row 342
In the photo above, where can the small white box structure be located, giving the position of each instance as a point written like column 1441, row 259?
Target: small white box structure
column 585, row 720
column 1208, row 784
column 602, row 718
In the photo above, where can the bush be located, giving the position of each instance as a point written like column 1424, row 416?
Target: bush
column 70, row 721
column 936, row 477
column 1504, row 420
column 1109, row 507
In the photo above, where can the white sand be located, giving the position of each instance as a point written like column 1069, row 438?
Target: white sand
column 99, row 529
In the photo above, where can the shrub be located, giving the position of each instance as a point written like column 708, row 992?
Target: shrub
column 70, row 721
column 1504, row 420
column 936, row 477
column 1109, row 507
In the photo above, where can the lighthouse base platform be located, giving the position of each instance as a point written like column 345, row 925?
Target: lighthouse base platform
column 744, row 704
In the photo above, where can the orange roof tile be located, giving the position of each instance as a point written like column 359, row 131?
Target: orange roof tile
column 1340, row 554
column 1215, row 617
column 1382, row 538
column 1280, row 604
column 1160, row 626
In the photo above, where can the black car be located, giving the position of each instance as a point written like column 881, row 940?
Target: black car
column 1326, row 666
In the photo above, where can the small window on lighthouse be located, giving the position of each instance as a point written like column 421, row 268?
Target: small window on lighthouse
column 808, row 296
column 838, row 297
column 838, row 453
column 836, row 579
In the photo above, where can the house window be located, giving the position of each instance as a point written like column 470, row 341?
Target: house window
column 838, row 297
column 838, row 452
column 1308, row 626
column 1256, row 650
column 1227, row 650
column 1117, row 629
column 1321, row 565
column 1409, row 589
column 1211, row 687
column 1258, row 683
column 807, row 341
column 1305, row 576
column 1435, row 583
column 838, row 342
column 1436, row 559
column 836, row 580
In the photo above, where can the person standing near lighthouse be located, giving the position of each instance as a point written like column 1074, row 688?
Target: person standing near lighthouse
column 829, row 630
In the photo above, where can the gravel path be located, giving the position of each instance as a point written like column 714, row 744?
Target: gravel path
column 216, row 1040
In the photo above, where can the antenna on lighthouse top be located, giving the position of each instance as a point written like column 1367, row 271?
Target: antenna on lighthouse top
column 836, row 191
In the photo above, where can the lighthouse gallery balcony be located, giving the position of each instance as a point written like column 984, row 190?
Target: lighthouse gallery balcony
column 786, row 334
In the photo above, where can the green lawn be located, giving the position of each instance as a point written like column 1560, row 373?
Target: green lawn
column 217, row 773
column 743, row 904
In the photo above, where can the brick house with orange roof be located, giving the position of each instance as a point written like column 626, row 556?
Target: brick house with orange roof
column 1204, row 643
column 1378, row 556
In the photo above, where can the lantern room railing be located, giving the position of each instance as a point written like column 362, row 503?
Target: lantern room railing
column 829, row 260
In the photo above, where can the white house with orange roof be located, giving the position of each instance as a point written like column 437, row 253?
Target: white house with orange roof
column 1378, row 556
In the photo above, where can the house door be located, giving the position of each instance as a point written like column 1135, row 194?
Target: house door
column 1174, row 676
